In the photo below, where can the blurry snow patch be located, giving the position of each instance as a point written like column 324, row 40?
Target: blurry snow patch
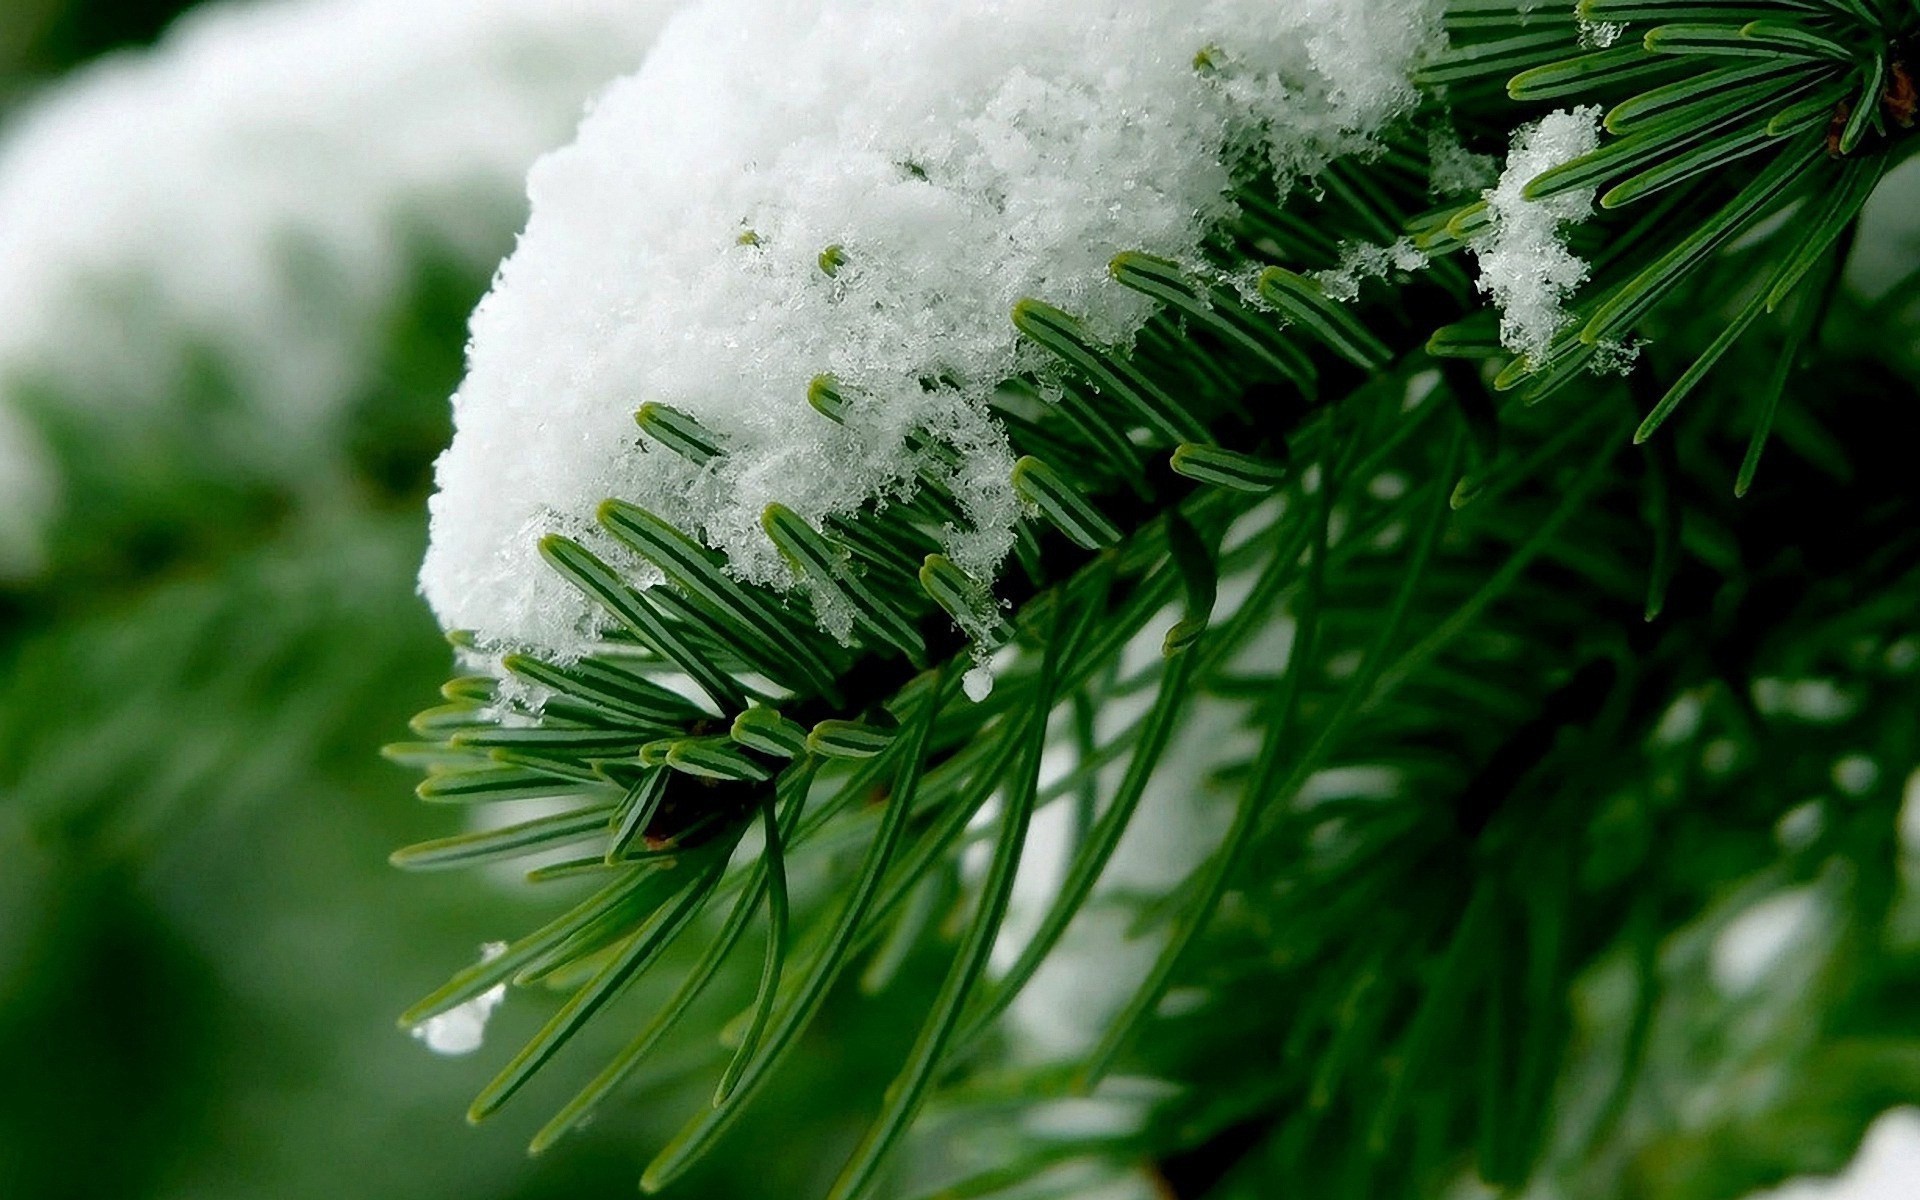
column 1819, row 701
column 1759, row 939
column 1908, row 823
column 247, row 190
column 1086, row 1117
column 461, row 1029
column 1887, row 1166
column 1720, row 756
column 510, row 875
column 1080, row 987
column 1525, row 265
column 1903, row 924
column 1681, row 722
column 958, row 156
column 1856, row 774
column 1096, row 1177
column 1888, row 239
column 1097, row 963
column 1388, row 485
column 1354, row 782
column 1800, row 826
column 1903, row 655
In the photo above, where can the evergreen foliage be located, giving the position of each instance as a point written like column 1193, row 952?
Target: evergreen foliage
column 1595, row 650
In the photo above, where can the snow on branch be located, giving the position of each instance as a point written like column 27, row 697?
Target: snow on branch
column 1525, row 265
column 954, row 158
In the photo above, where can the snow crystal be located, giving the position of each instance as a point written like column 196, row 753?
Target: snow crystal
column 1524, row 264
column 249, row 187
column 461, row 1029
column 1360, row 262
column 1615, row 357
column 1599, row 35
column 1456, row 169
column 955, row 158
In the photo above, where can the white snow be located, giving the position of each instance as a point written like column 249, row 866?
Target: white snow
column 977, row 683
column 1360, row 262
column 462, row 1029
column 1525, row 265
column 961, row 156
column 1760, row 937
column 1887, row 1166
column 1599, row 35
column 253, row 188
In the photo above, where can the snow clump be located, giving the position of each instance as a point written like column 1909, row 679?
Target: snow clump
column 1525, row 265
column 463, row 1028
column 959, row 157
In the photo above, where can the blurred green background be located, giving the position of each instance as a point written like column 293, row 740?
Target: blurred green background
column 202, row 946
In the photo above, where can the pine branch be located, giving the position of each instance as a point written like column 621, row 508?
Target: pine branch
column 1480, row 628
